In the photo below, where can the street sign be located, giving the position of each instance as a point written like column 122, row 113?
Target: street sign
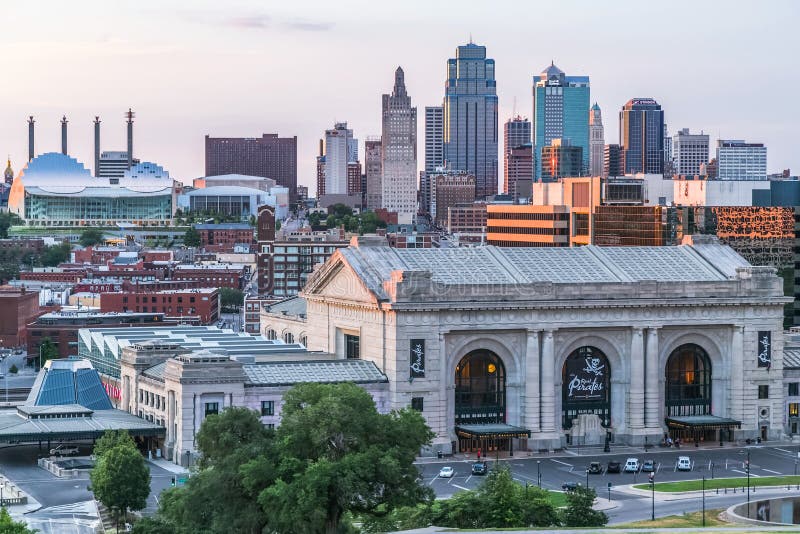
column 610, row 486
column 181, row 481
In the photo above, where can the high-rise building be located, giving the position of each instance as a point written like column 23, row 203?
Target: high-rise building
column 434, row 132
column 561, row 160
column 372, row 169
column 332, row 166
column 516, row 132
column 519, row 172
column 669, row 168
column 641, row 136
column 399, row 152
column 560, row 111
column 354, row 181
column 470, row 117
column 596, row 141
column 613, row 161
column 449, row 189
column 516, row 146
column 269, row 156
column 690, row 151
column 737, row 160
column 113, row 164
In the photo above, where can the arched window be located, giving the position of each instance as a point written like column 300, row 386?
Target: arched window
column 271, row 334
column 303, row 340
column 585, row 386
column 688, row 381
column 480, row 389
column 288, row 337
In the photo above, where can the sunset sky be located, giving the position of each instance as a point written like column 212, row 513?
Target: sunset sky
column 242, row 68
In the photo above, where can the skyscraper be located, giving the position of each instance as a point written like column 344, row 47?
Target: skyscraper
column 613, row 161
column 516, row 146
column 596, row 141
column 561, row 159
column 516, row 132
column 338, row 153
column 560, row 111
column 269, row 156
column 434, row 130
column 641, row 136
column 399, row 152
column 737, row 160
column 690, row 151
column 372, row 168
column 470, row 117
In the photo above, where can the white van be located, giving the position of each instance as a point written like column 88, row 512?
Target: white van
column 684, row 463
column 632, row 465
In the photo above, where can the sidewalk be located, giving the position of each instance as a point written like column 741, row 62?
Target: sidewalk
column 663, row 496
column 168, row 466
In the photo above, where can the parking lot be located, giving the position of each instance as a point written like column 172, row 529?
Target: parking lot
column 555, row 470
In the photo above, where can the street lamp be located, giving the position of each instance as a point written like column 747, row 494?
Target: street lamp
column 587, row 477
column 748, row 483
column 539, row 473
column 704, row 501
column 653, row 496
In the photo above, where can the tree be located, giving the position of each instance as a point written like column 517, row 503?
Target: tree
column 152, row 525
column 47, row 351
column 579, row 511
column 9, row 526
column 7, row 220
column 120, row 479
column 14, row 369
column 337, row 454
column 91, row 237
column 111, row 439
column 230, row 298
column 191, row 238
column 55, row 254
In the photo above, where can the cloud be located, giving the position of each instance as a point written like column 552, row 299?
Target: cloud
column 308, row 26
column 254, row 21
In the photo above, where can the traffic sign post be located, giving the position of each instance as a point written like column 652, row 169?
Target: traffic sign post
column 609, row 492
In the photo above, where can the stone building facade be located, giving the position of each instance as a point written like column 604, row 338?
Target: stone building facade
column 539, row 347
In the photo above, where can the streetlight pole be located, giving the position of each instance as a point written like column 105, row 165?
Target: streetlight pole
column 704, row 501
column 653, row 496
column 539, row 473
column 748, row 483
column 587, row 478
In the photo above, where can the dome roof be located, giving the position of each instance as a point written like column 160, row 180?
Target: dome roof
column 55, row 168
column 552, row 70
column 595, row 107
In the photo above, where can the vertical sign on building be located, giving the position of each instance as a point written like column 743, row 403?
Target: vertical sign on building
column 765, row 348
column 416, row 366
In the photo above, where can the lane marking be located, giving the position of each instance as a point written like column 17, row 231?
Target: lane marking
column 462, row 487
column 737, row 471
column 771, row 471
column 783, row 450
column 560, row 462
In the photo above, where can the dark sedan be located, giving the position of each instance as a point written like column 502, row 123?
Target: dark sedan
column 613, row 467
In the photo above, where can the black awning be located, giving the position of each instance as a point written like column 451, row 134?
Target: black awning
column 702, row 422
column 495, row 430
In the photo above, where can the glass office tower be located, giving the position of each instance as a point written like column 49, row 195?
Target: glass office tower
column 641, row 136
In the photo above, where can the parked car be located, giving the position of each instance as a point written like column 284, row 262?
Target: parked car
column 648, row 466
column 446, row 472
column 632, row 465
column 613, row 467
column 684, row 463
column 569, row 486
column 595, row 468
column 479, row 468
column 64, row 450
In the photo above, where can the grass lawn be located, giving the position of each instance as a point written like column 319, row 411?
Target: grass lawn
column 695, row 519
column 696, row 485
column 557, row 498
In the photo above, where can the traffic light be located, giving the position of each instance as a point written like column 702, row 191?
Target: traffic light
column 747, row 466
column 173, row 482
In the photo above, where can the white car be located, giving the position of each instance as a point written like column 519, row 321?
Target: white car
column 64, row 450
column 632, row 465
column 684, row 463
column 446, row 472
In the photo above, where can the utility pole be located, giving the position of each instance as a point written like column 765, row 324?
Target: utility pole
column 653, row 496
column 748, row 483
column 704, row 502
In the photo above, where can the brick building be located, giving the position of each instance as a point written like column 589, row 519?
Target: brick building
column 25, row 244
column 221, row 275
column 18, row 307
column 202, row 303
column 223, row 237
column 468, row 221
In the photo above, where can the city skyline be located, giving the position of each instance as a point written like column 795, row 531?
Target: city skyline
column 183, row 85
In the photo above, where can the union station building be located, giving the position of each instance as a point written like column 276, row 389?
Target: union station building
column 539, row 348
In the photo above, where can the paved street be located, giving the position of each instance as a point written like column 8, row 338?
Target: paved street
column 570, row 467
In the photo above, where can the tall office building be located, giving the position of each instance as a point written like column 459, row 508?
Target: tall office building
column 399, row 152
column 372, row 169
column 516, row 132
column 560, row 111
column 269, row 156
column 689, row 152
column 519, row 172
column 332, row 166
column 113, row 164
column 613, row 161
column 470, row 117
column 737, row 160
column 561, row 159
column 516, row 145
column 434, row 132
column 597, row 141
column 641, row 136
column 668, row 167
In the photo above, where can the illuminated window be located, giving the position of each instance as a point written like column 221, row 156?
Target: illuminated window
column 794, row 409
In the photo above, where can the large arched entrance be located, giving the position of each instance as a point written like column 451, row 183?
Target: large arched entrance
column 688, row 388
column 480, row 396
column 585, row 386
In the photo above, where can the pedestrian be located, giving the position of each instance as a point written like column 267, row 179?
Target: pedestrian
column 479, row 454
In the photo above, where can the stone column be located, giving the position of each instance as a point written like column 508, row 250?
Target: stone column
column 126, row 393
column 170, row 417
column 651, row 380
column 636, row 390
column 548, row 404
column 737, row 372
column 532, row 389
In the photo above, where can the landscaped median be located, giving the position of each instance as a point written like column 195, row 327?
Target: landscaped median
column 720, row 483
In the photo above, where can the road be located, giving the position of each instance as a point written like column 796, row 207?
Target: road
column 557, row 469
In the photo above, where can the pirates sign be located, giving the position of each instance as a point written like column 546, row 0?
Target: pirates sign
column 586, row 376
column 416, row 366
column 764, row 350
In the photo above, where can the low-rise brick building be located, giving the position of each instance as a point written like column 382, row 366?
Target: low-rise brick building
column 202, row 303
column 225, row 236
column 17, row 308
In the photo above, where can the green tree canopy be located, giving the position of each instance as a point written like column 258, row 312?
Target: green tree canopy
column 192, row 237
column 152, row 525
column 7, row 220
column 230, row 297
column 47, row 350
column 91, row 237
column 120, row 478
column 9, row 526
column 579, row 511
column 55, row 254
column 111, row 439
